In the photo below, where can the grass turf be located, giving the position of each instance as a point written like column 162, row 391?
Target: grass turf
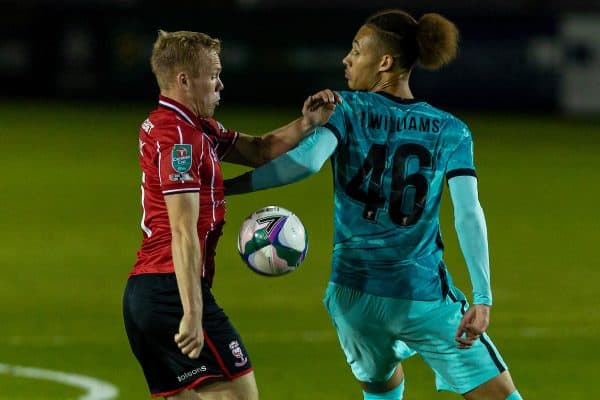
column 69, row 228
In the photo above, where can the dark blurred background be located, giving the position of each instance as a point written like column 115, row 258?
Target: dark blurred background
column 523, row 55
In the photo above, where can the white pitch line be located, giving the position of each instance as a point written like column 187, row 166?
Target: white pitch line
column 95, row 389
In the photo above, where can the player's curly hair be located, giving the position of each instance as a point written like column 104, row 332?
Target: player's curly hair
column 432, row 41
column 174, row 52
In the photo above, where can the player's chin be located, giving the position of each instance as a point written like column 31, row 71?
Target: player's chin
column 210, row 110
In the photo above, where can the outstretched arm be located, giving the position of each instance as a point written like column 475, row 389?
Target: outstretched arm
column 469, row 222
column 297, row 164
column 254, row 151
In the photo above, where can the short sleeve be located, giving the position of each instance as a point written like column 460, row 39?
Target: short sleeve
column 337, row 121
column 460, row 162
column 224, row 139
column 179, row 155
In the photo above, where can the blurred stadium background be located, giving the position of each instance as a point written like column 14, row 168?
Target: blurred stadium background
column 76, row 85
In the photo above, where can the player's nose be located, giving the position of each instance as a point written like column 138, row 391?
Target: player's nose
column 346, row 60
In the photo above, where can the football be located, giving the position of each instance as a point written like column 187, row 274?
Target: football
column 272, row 241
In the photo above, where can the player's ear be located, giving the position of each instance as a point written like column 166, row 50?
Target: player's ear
column 183, row 80
column 386, row 63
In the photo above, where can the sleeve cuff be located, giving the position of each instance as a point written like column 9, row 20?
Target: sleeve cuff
column 334, row 130
column 239, row 184
column 460, row 172
column 482, row 299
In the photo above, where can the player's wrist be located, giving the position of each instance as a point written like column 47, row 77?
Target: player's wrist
column 308, row 125
column 192, row 312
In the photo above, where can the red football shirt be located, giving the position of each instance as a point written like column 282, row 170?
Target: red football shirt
column 180, row 153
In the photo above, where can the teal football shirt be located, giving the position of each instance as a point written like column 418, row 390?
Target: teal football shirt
column 389, row 167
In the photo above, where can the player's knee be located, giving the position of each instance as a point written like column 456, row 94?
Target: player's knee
column 393, row 394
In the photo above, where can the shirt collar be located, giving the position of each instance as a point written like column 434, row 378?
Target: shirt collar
column 399, row 99
column 180, row 109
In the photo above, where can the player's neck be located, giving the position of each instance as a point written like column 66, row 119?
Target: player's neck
column 396, row 85
column 178, row 96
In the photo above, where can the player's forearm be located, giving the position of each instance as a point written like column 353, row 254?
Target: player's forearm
column 284, row 139
column 472, row 236
column 187, row 262
column 304, row 160
column 281, row 171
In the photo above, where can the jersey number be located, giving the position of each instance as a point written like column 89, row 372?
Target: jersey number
column 408, row 189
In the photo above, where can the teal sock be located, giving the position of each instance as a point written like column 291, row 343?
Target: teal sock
column 394, row 394
column 514, row 396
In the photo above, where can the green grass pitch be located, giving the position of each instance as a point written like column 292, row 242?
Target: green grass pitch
column 69, row 228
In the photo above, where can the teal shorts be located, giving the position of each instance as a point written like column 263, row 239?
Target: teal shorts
column 376, row 333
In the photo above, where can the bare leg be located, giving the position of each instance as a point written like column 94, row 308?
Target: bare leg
column 242, row 388
column 497, row 388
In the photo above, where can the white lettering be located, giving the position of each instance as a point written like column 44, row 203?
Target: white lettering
column 189, row 374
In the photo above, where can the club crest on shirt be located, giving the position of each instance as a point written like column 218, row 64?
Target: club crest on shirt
column 147, row 126
column 181, row 157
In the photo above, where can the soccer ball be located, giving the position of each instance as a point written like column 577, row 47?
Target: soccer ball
column 272, row 241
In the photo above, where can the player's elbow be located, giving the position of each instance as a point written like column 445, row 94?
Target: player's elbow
column 183, row 234
column 468, row 217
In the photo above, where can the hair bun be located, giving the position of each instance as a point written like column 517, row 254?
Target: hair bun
column 437, row 39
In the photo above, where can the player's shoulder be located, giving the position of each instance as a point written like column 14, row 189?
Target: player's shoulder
column 213, row 129
column 166, row 125
column 354, row 96
column 165, row 119
column 211, row 126
column 357, row 101
column 451, row 124
column 347, row 94
column 458, row 126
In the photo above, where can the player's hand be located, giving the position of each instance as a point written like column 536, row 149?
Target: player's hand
column 190, row 338
column 317, row 109
column 472, row 325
